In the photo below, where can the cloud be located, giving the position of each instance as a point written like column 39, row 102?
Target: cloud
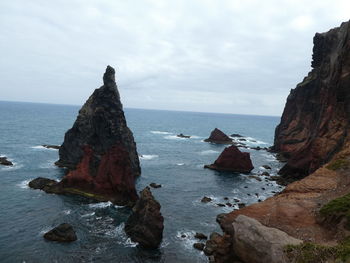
column 236, row 56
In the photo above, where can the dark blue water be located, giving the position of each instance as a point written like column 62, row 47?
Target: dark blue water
column 175, row 163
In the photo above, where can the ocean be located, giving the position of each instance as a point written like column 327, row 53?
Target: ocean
column 175, row 163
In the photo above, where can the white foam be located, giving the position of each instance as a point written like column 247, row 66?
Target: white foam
column 24, row 184
column 67, row 212
column 48, row 164
column 88, row 214
column 100, row 205
column 123, row 239
column 148, row 156
column 40, row 147
column 174, row 137
column 44, row 230
column 188, row 240
column 180, row 164
column 160, row 132
column 207, row 152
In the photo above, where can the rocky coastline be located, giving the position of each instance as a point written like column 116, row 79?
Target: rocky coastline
column 309, row 217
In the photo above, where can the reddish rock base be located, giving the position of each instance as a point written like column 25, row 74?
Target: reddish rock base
column 217, row 136
column 232, row 160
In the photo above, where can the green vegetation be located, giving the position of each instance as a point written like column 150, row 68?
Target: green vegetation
column 314, row 253
column 85, row 194
column 336, row 209
column 338, row 164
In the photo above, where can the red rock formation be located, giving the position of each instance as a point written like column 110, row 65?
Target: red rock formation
column 232, row 160
column 315, row 121
column 217, row 136
column 99, row 150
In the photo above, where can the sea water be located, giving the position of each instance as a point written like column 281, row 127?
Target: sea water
column 175, row 163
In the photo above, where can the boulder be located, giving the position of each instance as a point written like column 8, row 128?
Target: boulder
column 200, row 236
column 145, row 224
column 232, row 160
column 256, row 243
column 4, row 161
column 217, row 136
column 99, row 150
column 62, row 233
column 199, row 246
column 206, row 199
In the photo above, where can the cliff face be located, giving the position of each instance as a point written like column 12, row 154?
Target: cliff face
column 99, row 150
column 315, row 121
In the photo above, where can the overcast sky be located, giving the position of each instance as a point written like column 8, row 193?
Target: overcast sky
column 212, row 56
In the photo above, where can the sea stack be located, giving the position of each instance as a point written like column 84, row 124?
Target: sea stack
column 217, row 136
column 99, row 150
column 232, row 160
column 315, row 120
column 145, row 224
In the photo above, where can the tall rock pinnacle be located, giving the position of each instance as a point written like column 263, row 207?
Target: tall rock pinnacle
column 99, row 150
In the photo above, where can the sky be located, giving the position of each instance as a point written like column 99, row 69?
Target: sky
column 231, row 56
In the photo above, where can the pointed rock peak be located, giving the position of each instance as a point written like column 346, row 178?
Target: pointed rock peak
column 109, row 76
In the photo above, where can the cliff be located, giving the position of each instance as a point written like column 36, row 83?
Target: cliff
column 99, row 150
column 315, row 120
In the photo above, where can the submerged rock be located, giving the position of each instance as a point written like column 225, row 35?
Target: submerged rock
column 206, row 199
column 154, row 185
column 48, row 146
column 256, row 243
column 232, row 160
column 99, row 150
column 236, row 135
column 145, row 224
column 183, row 136
column 4, row 161
column 315, row 121
column 62, row 233
column 200, row 236
column 217, row 136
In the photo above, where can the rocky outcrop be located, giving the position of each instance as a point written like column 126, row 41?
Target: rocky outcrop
column 41, row 183
column 181, row 135
column 256, row 243
column 217, row 136
column 4, row 161
column 315, row 120
column 232, row 160
column 49, row 146
column 99, row 150
column 145, row 224
column 62, row 233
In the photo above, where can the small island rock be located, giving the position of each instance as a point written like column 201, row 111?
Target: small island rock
column 4, row 161
column 217, row 136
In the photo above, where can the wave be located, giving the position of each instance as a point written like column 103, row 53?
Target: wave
column 180, row 164
column 88, row 214
column 174, row 137
column 48, row 164
column 160, row 132
column 207, row 152
column 24, row 184
column 148, row 156
column 40, row 147
column 100, row 205
column 187, row 238
column 13, row 167
column 120, row 234
column 67, row 212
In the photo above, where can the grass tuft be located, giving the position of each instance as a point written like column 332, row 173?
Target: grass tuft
column 338, row 164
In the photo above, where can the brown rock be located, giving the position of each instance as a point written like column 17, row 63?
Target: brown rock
column 154, row 185
column 145, row 225
column 232, row 160
column 217, row 136
column 200, row 236
column 206, row 199
column 315, row 120
column 199, row 246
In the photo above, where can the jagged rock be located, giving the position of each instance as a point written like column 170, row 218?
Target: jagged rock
column 145, row 224
column 41, row 183
column 62, row 233
column 183, row 136
column 266, row 167
column 217, row 136
column 200, row 236
column 265, row 174
column 4, row 161
column 199, row 246
column 154, row 185
column 206, row 199
column 232, row 160
column 219, row 246
column 99, row 150
column 256, row 243
column 48, row 146
column 315, row 120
